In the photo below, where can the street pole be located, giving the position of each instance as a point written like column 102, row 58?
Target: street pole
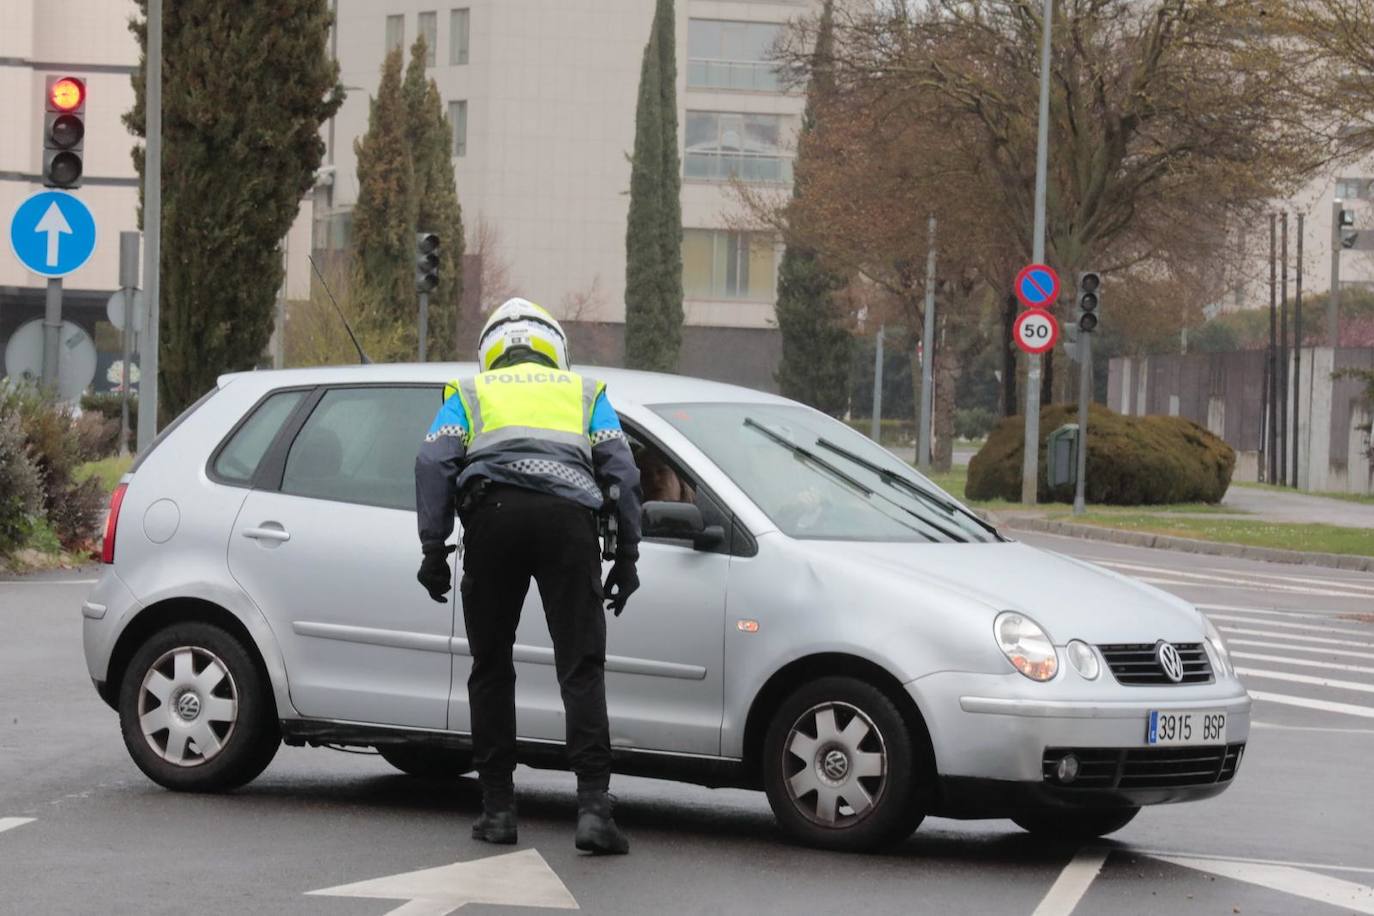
column 1030, row 465
column 1085, row 384
column 927, row 360
column 1297, row 353
column 52, row 332
column 128, row 285
column 152, row 230
column 1333, row 300
column 1283, row 357
column 1272, row 439
column 424, row 324
column 876, row 424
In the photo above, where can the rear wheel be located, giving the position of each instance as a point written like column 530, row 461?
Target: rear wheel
column 1075, row 824
column 426, row 762
column 841, row 768
column 196, row 713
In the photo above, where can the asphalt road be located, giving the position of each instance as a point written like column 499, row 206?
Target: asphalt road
column 81, row 830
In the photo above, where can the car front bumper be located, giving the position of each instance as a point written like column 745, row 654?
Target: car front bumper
column 995, row 736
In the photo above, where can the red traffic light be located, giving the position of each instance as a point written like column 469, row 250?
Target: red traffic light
column 67, row 94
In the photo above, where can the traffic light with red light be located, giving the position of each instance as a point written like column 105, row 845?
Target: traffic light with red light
column 64, row 131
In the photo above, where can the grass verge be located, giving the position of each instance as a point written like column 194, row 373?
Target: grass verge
column 1284, row 536
column 108, row 470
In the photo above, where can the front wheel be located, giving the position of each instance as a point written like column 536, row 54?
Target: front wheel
column 196, row 713
column 426, row 762
column 841, row 768
column 1075, row 824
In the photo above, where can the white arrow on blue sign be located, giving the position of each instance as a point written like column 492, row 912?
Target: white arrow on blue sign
column 52, row 233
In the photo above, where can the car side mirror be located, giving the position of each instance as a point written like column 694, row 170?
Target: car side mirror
column 681, row 522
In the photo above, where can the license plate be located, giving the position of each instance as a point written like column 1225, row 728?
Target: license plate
column 1198, row 726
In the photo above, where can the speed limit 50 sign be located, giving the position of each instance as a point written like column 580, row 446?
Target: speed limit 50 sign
column 1036, row 331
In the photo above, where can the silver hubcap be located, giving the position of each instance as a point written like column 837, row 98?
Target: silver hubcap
column 187, row 706
column 836, row 765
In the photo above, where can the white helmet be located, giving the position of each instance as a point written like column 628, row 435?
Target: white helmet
column 520, row 324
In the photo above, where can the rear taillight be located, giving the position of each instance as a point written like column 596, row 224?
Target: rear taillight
column 112, row 523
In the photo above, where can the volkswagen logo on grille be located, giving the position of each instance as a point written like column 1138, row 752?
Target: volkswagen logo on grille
column 1170, row 661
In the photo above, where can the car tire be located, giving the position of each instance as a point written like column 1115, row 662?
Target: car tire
column 1075, row 824
column 196, row 712
column 427, row 762
column 841, row 767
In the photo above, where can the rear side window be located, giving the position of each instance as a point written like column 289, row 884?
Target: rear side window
column 359, row 446
column 238, row 458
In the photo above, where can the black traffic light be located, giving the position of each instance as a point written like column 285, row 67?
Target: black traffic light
column 64, row 129
column 1349, row 234
column 1089, row 297
column 426, row 261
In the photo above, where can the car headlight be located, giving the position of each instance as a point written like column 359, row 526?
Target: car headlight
column 1217, row 652
column 1083, row 659
column 1026, row 646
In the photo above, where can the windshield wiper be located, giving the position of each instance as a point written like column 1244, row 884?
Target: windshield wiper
column 853, row 482
column 892, row 478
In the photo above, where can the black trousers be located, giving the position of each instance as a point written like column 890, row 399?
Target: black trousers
column 509, row 537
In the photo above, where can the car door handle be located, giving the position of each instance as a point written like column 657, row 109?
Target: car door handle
column 270, row 531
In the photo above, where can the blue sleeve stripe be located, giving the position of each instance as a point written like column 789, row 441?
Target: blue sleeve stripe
column 451, row 414
column 603, row 415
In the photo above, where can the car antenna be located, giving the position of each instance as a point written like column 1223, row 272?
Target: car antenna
column 361, row 355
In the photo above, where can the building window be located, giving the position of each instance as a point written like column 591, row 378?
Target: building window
column 731, row 55
column 429, row 30
column 395, row 33
column 458, row 116
column 722, row 145
column 459, row 22
column 717, row 264
column 1354, row 188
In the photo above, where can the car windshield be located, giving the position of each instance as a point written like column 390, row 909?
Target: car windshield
column 816, row 478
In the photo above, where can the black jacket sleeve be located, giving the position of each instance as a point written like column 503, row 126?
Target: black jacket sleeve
column 614, row 464
column 436, row 474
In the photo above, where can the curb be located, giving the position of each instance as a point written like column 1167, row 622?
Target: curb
column 1192, row 545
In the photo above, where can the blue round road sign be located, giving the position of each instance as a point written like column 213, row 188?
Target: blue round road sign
column 52, row 233
column 1036, row 285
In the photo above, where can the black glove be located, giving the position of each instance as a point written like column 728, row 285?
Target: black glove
column 621, row 582
column 434, row 572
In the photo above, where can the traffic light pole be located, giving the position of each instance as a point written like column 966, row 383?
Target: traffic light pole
column 424, row 325
column 128, row 283
column 152, row 230
column 876, row 421
column 1297, row 353
column 1333, row 300
column 1030, row 465
column 1085, row 386
column 52, row 332
column 927, row 360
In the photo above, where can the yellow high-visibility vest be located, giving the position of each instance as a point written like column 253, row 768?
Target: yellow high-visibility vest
column 526, row 401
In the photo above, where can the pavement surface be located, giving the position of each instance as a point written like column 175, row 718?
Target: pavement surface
column 82, row 831
column 1298, row 507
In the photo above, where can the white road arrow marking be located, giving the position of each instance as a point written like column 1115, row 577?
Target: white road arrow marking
column 9, row 823
column 515, row 879
column 55, row 225
column 1345, row 895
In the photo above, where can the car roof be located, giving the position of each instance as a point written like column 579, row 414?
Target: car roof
column 625, row 386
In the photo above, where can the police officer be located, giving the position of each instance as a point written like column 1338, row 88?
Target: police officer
column 523, row 453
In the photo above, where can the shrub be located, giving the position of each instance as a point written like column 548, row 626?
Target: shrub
column 96, row 436
column 1131, row 460
column 973, row 422
column 21, row 490
column 72, row 508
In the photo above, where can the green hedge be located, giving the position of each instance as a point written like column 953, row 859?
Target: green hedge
column 1132, row 461
column 891, row 432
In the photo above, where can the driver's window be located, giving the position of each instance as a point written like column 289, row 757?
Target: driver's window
column 661, row 479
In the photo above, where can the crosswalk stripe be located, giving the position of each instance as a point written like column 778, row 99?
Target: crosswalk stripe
column 9, row 823
column 1287, row 577
column 1261, row 644
column 1227, row 628
column 1349, row 709
column 1306, row 679
column 1301, row 662
column 1239, row 618
column 1201, row 579
column 1280, row 612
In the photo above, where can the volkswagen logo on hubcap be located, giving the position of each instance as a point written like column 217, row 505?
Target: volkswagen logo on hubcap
column 835, row 764
column 1170, row 661
column 188, row 707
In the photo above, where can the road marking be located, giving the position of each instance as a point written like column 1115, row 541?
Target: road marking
column 1349, row 709
column 1259, row 643
column 1306, row 679
column 1337, row 892
column 514, row 879
column 9, row 823
column 1242, row 580
column 1291, row 626
column 1320, row 639
column 1073, row 882
column 1283, row 577
column 1302, row 662
column 48, row 581
column 1165, row 853
column 1278, row 612
column 1315, row 728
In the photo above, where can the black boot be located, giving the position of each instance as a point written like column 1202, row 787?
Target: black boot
column 496, row 826
column 597, row 833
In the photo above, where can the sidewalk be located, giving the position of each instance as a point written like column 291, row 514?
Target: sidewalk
column 1276, row 506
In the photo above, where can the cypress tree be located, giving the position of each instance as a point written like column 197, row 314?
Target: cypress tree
column 653, row 237
column 384, row 217
column 245, row 88
column 816, row 344
column 436, row 193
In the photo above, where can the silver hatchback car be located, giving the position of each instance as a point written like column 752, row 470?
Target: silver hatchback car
column 817, row 620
